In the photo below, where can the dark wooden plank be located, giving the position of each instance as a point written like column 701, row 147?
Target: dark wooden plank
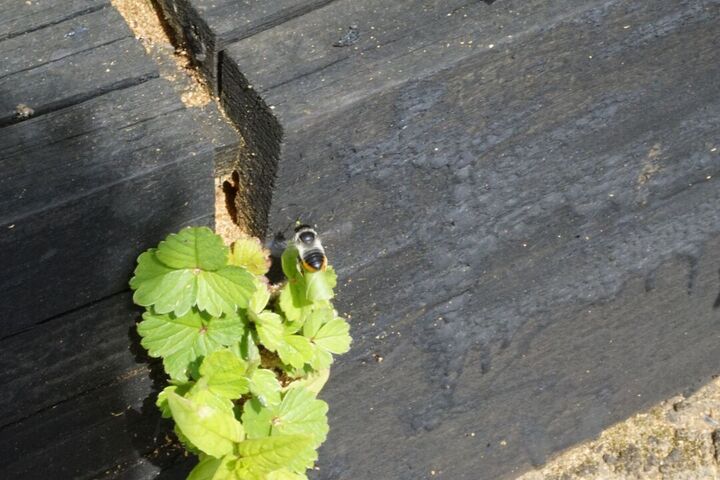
column 24, row 17
column 86, row 248
column 94, row 59
column 70, row 356
column 231, row 20
column 498, row 102
column 540, row 243
column 77, row 78
column 298, row 71
column 449, row 398
column 137, row 116
column 305, row 45
column 95, row 435
column 117, row 422
column 83, row 384
column 575, row 280
column 56, row 42
column 174, row 468
column 120, row 153
column 110, row 164
column 221, row 134
column 286, row 77
column 89, row 146
column 207, row 26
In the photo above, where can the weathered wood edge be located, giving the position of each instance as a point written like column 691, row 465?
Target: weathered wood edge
column 26, row 17
column 196, row 26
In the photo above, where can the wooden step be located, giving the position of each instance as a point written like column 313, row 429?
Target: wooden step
column 87, row 188
column 103, row 161
column 520, row 199
column 21, row 18
column 208, row 26
column 68, row 63
column 106, row 163
column 84, row 385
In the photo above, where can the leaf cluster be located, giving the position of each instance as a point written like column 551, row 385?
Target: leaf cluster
column 245, row 360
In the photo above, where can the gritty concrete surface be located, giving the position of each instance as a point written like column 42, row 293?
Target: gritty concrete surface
column 677, row 439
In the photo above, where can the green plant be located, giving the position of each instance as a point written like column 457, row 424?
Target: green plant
column 246, row 360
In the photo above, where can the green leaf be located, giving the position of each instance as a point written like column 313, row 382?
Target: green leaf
column 316, row 319
column 220, row 363
column 194, row 287
column 249, row 253
column 294, row 303
column 211, row 468
column 212, row 430
column 182, row 340
column 186, row 442
column 270, row 329
column 225, row 290
column 295, row 373
column 257, row 419
column 160, row 286
column 161, row 401
column 328, row 335
column 299, row 296
column 313, row 381
column 224, row 374
column 301, row 413
column 298, row 413
column 207, row 469
column 265, row 455
column 295, row 350
column 265, row 386
column 319, row 285
column 334, row 336
column 202, row 395
column 193, row 247
column 289, row 261
column 248, row 349
column 321, row 358
column 188, row 269
column 259, row 298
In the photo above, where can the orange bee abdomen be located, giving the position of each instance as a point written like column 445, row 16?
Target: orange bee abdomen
column 314, row 261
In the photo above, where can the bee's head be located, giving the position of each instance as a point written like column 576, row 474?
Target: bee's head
column 305, row 234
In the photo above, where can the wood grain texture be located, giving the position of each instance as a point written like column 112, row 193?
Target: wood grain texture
column 69, row 62
column 83, row 383
column 206, row 27
column 89, row 436
column 262, row 133
column 472, row 403
column 299, row 71
column 89, row 146
column 19, row 18
column 540, row 244
column 108, row 164
column 70, row 356
column 62, row 40
column 80, row 77
column 88, row 187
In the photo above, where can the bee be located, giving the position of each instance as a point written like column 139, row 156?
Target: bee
column 310, row 251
